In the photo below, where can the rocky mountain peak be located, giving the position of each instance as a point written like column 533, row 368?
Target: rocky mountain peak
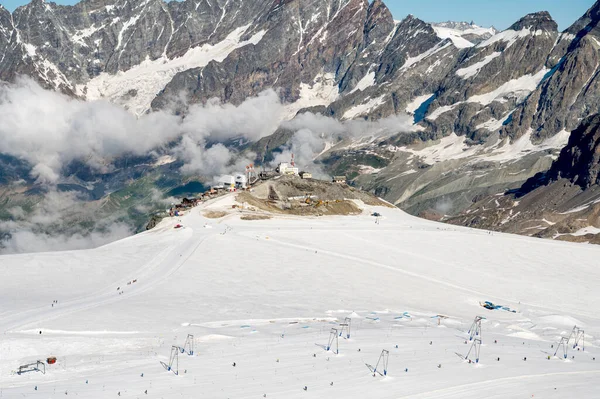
column 36, row 7
column 34, row 3
column 4, row 13
column 379, row 21
column 410, row 17
column 379, row 11
column 412, row 22
column 539, row 21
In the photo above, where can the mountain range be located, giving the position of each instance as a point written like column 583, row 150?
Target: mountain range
column 488, row 111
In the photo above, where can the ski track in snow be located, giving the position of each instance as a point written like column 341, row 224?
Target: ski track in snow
column 107, row 296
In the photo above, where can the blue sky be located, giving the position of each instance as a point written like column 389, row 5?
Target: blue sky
column 500, row 13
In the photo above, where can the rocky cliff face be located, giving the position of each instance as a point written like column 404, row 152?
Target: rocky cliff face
column 579, row 161
column 5, row 30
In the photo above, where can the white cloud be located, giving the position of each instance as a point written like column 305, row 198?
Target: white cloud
column 30, row 241
column 49, row 129
column 52, row 225
column 255, row 118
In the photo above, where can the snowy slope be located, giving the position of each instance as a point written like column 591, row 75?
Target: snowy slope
column 264, row 294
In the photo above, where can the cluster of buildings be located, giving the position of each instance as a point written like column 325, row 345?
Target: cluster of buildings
column 243, row 181
column 237, row 182
column 232, row 182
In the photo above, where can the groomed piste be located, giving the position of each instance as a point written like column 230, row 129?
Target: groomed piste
column 291, row 306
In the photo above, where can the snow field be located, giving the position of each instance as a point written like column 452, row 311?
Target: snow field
column 455, row 147
column 253, row 292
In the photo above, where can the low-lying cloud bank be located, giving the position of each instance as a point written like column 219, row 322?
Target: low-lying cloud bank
column 28, row 241
column 50, row 130
column 52, row 224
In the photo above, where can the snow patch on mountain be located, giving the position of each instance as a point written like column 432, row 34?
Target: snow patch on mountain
column 454, row 147
column 79, row 36
column 465, row 27
column 566, row 36
column 131, row 22
column 367, row 81
column 442, row 110
column 455, row 36
column 519, row 88
column 474, row 69
column 30, row 49
column 586, row 230
column 510, row 37
column 364, row 108
column 146, row 80
column 581, row 207
column 414, row 60
column 449, row 147
column 494, row 124
column 523, row 146
column 323, row 91
column 52, row 74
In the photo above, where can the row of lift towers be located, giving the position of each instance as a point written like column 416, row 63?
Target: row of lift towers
column 577, row 336
column 332, row 345
column 576, row 339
